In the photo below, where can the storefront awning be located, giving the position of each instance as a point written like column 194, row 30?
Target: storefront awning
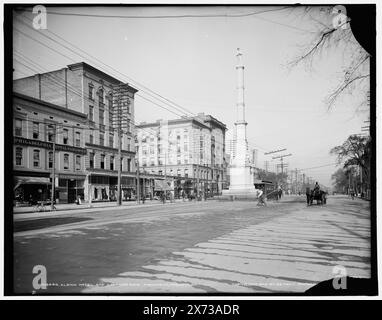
column 30, row 180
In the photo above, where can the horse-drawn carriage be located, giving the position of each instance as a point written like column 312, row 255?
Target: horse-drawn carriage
column 315, row 194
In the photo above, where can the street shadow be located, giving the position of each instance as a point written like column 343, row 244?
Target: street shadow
column 27, row 225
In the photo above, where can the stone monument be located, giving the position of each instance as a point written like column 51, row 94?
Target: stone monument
column 240, row 170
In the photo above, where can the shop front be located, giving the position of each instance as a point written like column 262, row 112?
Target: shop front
column 29, row 189
column 70, row 188
column 105, row 188
column 127, row 185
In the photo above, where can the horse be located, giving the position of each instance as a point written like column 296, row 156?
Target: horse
column 318, row 195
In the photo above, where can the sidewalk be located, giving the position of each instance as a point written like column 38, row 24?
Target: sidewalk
column 28, row 212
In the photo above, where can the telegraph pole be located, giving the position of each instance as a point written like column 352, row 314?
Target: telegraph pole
column 53, row 168
column 138, row 183
column 119, row 145
column 282, row 163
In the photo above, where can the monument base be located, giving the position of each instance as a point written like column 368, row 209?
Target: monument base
column 241, row 185
column 244, row 193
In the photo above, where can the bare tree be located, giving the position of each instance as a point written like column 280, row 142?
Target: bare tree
column 334, row 32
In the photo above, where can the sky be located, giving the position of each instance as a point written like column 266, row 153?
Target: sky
column 191, row 61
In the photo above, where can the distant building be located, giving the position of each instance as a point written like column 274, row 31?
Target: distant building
column 190, row 149
column 88, row 91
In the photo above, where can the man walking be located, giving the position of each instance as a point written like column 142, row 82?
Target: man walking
column 260, row 196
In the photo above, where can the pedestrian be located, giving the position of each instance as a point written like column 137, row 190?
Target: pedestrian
column 260, row 196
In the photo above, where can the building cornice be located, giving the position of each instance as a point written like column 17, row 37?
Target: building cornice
column 87, row 67
column 50, row 106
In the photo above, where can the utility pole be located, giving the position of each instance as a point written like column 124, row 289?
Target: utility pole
column 119, row 119
column 53, row 167
column 303, row 180
column 138, row 183
column 282, row 163
column 296, row 180
column 197, row 181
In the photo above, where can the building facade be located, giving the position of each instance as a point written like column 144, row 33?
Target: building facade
column 190, row 150
column 106, row 103
column 37, row 125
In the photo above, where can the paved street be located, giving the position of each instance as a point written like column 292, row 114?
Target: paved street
column 194, row 247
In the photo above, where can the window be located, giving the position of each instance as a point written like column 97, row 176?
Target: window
column 128, row 125
column 121, row 163
column 36, row 158
column 78, row 139
column 101, row 116
column 102, row 161
column 100, row 97
column 91, row 91
column 78, row 162
column 65, row 136
column 19, row 156
column 18, row 127
column 91, row 137
column 36, row 130
column 91, row 160
column 66, row 161
column 129, row 165
column 110, row 118
column 128, row 144
column 50, row 133
column 91, row 113
column 102, row 139
column 111, row 139
column 111, row 162
column 185, row 147
column 50, row 160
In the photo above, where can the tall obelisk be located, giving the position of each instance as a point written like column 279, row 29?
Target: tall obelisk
column 241, row 177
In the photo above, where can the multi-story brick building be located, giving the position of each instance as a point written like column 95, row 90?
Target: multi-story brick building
column 84, row 89
column 190, row 149
column 37, row 125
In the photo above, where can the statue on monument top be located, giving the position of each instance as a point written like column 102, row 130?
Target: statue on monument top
column 238, row 55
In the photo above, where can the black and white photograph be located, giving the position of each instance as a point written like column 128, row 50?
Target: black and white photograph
column 190, row 150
